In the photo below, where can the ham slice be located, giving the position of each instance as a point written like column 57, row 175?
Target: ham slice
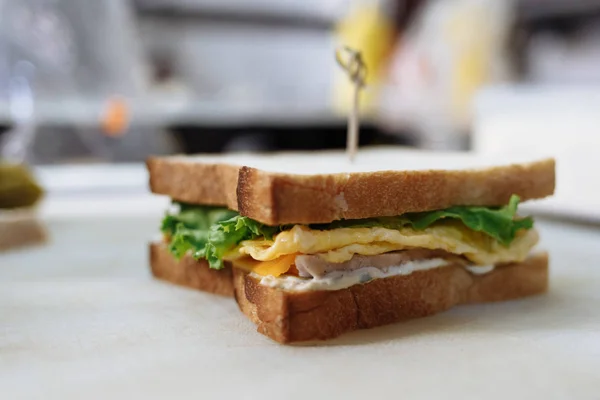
column 314, row 266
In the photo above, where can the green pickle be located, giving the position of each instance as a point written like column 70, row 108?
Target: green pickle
column 18, row 187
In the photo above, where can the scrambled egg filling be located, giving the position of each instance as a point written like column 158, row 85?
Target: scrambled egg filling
column 275, row 257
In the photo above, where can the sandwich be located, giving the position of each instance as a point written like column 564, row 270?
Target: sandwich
column 313, row 246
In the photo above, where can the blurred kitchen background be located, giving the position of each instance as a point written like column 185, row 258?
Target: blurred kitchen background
column 90, row 82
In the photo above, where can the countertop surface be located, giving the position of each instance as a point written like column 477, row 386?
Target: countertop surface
column 81, row 317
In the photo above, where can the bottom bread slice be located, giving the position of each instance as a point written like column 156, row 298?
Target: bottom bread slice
column 287, row 316
column 189, row 272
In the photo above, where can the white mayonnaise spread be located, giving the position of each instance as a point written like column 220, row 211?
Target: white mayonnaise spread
column 337, row 280
column 173, row 209
column 479, row 269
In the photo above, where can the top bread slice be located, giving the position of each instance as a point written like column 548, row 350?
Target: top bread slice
column 321, row 187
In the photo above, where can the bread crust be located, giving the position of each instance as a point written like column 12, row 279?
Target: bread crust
column 195, row 183
column 277, row 199
column 189, row 272
column 288, row 317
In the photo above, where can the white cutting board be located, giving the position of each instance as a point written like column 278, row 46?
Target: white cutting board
column 82, row 318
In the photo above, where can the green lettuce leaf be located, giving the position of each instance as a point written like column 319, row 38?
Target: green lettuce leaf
column 195, row 217
column 185, row 239
column 211, row 232
column 189, row 228
column 500, row 223
column 225, row 235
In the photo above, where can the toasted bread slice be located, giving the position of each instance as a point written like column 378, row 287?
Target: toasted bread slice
column 189, row 272
column 289, row 317
column 320, row 187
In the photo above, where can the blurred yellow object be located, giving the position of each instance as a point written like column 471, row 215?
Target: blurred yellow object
column 367, row 30
column 473, row 55
column 116, row 118
column 449, row 52
column 18, row 187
